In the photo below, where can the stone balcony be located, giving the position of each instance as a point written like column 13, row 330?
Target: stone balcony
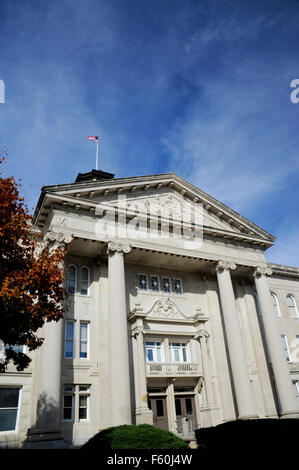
column 163, row 369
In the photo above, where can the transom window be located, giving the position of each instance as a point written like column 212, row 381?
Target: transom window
column 153, row 351
column 178, row 352
column 156, row 283
column 275, row 305
column 9, row 405
column 292, row 307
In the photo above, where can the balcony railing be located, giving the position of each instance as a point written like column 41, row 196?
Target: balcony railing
column 157, row 369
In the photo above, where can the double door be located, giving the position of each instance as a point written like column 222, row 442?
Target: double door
column 185, row 415
column 159, row 409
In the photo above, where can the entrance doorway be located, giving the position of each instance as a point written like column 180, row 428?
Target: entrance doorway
column 185, row 415
column 159, row 409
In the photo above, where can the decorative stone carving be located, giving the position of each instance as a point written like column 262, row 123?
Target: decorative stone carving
column 221, row 265
column 202, row 334
column 59, row 237
column 118, row 247
column 262, row 271
column 165, row 308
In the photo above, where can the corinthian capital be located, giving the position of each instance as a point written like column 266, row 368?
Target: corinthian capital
column 119, row 247
column 262, row 271
column 221, row 265
column 59, row 238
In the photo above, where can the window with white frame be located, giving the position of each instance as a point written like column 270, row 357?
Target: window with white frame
column 84, row 280
column 142, row 281
column 275, row 305
column 9, row 406
column 296, row 386
column 72, row 279
column 84, row 332
column 292, row 307
column 69, row 341
column 178, row 352
column 166, row 284
column 153, row 351
column 155, row 283
column 68, row 403
column 177, row 286
column 286, row 348
column 84, row 394
column 76, row 403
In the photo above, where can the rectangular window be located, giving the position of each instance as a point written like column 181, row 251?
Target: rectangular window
column 9, row 404
column 69, row 339
column 178, row 352
column 177, row 286
column 83, row 339
column 155, row 283
column 153, row 351
column 166, row 284
column 83, row 402
column 68, row 403
column 142, row 282
column 286, row 348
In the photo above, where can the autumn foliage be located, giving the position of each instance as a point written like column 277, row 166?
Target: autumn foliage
column 31, row 278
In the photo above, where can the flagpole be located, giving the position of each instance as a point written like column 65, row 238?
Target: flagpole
column 97, row 155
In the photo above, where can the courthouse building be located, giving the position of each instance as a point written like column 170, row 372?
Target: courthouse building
column 168, row 324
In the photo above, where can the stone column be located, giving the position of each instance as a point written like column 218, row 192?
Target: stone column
column 47, row 430
column 287, row 398
column 143, row 414
column 238, row 362
column 203, row 336
column 119, row 372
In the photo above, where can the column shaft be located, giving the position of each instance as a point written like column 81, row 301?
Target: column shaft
column 206, row 368
column 239, row 366
column 287, row 398
column 119, row 373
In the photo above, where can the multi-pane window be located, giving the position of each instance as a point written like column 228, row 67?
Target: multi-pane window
column 68, row 403
column 275, row 304
column 292, row 308
column 142, row 281
column 83, row 402
column 9, row 404
column 155, row 284
column 177, row 286
column 286, row 348
column 153, row 351
column 166, row 284
column 84, row 280
column 83, row 339
column 76, row 402
column 178, row 352
column 72, row 279
column 69, row 339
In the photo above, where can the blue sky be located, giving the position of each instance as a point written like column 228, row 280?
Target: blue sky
column 200, row 88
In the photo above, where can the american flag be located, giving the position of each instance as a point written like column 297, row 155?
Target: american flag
column 93, row 137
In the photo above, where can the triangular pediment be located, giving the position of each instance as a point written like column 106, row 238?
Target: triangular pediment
column 166, row 192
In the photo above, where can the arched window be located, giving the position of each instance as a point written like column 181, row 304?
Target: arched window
column 275, row 305
column 85, row 280
column 72, row 279
column 292, row 307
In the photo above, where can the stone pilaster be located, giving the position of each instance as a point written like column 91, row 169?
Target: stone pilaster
column 203, row 337
column 288, row 403
column 237, row 356
column 119, row 372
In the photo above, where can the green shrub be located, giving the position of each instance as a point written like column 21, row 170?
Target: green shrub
column 142, row 436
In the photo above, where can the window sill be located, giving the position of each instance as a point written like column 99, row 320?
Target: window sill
column 160, row 293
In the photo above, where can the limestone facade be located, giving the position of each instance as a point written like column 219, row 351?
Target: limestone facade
column 160, row 330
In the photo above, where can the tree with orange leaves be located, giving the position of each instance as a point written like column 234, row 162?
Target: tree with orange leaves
column 31, row 279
